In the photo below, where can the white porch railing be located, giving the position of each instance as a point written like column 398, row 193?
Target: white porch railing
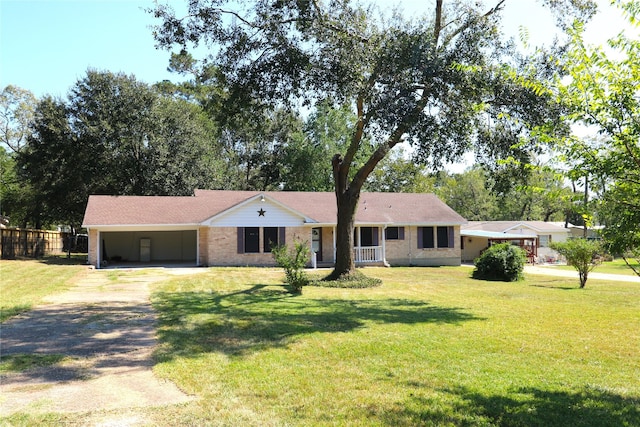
column 367, row 253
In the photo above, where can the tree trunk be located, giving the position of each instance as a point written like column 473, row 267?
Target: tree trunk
column 347, row 197
column 347, row 204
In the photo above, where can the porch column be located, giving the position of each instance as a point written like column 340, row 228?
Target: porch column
column 98, row 252
column 334, row 244
column 198, row 247
column 358, row 254
column 384, row 248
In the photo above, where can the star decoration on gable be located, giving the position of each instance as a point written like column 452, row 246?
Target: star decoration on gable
column 261, row 212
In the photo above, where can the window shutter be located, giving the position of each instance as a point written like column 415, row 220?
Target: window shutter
column 240, row 240
column 420, row 242
column 375, row 236
column 281, row 235
column 400, row 233
column 451, row 234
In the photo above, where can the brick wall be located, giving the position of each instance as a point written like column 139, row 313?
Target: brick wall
column 93, row 247
column 221, row 246
column 406, row 252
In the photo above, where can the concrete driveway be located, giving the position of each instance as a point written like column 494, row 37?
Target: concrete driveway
column 551, row 270
column 106, row 329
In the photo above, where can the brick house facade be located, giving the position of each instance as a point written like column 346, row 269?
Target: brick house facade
column 238, row 228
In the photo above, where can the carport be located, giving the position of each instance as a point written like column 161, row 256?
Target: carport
column 124, row 247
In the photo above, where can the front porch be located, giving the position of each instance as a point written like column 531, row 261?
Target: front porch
column 369, row 246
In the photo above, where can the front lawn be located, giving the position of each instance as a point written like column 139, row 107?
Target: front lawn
column 24, row 283
column 429, row 347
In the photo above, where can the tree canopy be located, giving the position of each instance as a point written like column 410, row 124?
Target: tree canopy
column 443, row 83
column 113, row 135
column 603, row 93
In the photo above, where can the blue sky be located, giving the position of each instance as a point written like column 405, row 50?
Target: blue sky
column 47, row 45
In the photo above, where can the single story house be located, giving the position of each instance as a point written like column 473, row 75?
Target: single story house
column 238, row 228
column 533, row 236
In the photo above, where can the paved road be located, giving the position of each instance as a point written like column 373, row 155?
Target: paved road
column 551, row 270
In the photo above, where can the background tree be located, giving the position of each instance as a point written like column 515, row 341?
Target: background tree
column 468, row 194
column 604, row 93
column 399, row 173
column 432, row 82
column 584, row 255
column 17, row 107
column 114, row 135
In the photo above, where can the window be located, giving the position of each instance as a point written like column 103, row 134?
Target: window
column 251, row 239
column 545, row 240
column 394, row 233
column 445, row 237
column 270, row 238
column 368, row 236
column 428, row 237
column 425, row 238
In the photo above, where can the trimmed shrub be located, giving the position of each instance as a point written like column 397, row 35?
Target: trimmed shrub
column 504, row 262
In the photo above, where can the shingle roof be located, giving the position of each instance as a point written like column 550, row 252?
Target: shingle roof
column 510, row 226
column 374, row 208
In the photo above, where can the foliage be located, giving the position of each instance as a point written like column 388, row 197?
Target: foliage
column 602, row 93
column 468, row 194
column 398, row 173
column 114, row 135
column 440, row 83
column 503, row 262
column 294, row 261
column 584, row 255
column 354, row 280
column 17, row 107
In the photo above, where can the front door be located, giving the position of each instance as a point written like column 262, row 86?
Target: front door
column 316, row 242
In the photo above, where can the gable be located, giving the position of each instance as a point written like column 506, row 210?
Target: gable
column 257, row 212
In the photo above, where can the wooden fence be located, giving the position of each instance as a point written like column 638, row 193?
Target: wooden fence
column 19, row 242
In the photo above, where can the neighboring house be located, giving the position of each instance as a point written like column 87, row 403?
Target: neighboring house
column 577, row 231
column 218, row 228
column 533, row 236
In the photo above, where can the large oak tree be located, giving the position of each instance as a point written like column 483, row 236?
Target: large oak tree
column 442, row 83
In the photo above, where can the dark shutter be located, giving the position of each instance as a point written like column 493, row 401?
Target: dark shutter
column 240, row 240
column 400, row 233
column 281, row 235
column 451, row 235
column 420, row 240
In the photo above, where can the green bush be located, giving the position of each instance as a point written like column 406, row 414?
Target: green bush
column 504, row 262
column 293, row 261
column 584, row 255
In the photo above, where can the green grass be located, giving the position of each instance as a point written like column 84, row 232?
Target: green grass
column 24, row 283
column 428, row 347
column 616, row 266
column 23, row 362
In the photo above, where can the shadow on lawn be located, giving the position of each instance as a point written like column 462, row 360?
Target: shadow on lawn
column 266, row 316
column 528, row 406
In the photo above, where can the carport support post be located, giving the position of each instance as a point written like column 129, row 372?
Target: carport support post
column 98, row 251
